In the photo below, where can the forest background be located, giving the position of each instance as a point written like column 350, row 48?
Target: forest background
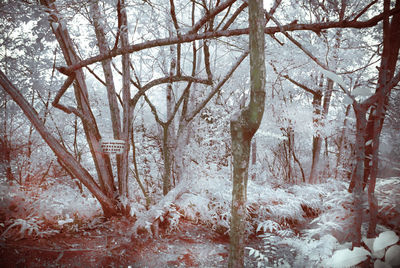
column 245, row 126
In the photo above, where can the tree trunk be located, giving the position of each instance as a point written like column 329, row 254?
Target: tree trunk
column 108, row 75
column 317, row 141
column 391, row 46
column 101, row 161
column 167, row 161
column 341, row 143
column 73, row 166
column 243, row 127
column 127, row 117
column 358, row 193
column 389, row 58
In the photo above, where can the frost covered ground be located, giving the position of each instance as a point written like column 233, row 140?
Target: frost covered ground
column 288, row 226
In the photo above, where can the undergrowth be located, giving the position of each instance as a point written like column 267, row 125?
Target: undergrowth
column 39, row 212
column 306, row 222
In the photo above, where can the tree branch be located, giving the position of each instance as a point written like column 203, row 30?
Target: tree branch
column 364, row 10
column 309, row 90
column 226, row 33
column 218, row 86
column 210, row 15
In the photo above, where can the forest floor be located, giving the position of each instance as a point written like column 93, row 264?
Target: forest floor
column 108, row 246
column 97, row 242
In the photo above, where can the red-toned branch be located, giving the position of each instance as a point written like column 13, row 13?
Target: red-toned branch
column 226, row 33
column 211, row 15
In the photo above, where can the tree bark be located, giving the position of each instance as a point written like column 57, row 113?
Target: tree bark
column 358, row 193
column 317, row 140
column 341, row 143
column 73, row 166
column 391, row 39
column 101, row 161
column 126, row 121
column 389, row 58
column 244, row 124
column 108, row 75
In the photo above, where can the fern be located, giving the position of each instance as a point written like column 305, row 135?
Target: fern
column 22, row 228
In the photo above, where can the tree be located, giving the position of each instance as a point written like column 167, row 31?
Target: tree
column 209, row 26
column 69, row 161
column 244, row 125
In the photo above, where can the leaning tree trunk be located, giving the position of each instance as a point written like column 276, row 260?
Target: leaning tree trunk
column 101, row 161
column 72, row 165
column 243, row 127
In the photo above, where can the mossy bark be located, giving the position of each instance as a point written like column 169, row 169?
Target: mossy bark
column 244, row 124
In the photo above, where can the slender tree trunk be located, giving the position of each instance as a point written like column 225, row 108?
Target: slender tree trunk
column 358, row 193
column 243, row 127
column 169, row 127
column 341, row 143
column 391, row 36
column 389, row 58
column 317, row 140
column 167, row 161
column 127, row 117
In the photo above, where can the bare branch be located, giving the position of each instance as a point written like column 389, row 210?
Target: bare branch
column 218, row 86
column 62, row 90
column 364, row 10
column 175, row 78
column 210, row 15
column 309, row 90
column 153, row 110
column 226, row 33
column 234, row 16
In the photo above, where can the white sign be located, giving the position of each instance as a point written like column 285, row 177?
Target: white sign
column 110, row 146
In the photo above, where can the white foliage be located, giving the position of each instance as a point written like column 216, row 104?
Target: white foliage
column 312, row 252
column 384, row 240
column 27, row 227
column 370, row 244
column 262, row 260
column 334, row 77
column 380, row 264
column 392, row 256
column 268, row 225
column 361, row 91
column 347, row 258
column 347, row 100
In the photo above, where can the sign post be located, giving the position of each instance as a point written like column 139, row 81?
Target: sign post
column 110, row 146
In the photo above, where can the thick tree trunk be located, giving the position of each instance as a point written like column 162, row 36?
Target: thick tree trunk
column 241, row 140
column 243, row 127
column 73, row 166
